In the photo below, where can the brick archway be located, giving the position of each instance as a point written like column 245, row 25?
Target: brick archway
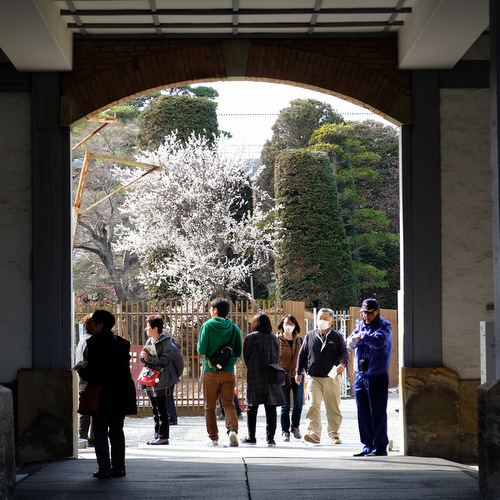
column 362, row 70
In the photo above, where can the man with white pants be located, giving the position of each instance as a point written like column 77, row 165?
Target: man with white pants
column 323, row 357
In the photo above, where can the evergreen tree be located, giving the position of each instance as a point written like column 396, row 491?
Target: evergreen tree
column 313, row 262
column 177, row 113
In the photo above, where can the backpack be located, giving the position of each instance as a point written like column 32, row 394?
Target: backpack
column 220, row 358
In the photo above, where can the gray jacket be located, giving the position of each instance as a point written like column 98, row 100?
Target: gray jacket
column 161, row 361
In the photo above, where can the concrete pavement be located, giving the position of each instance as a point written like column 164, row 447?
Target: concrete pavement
column 189, row 469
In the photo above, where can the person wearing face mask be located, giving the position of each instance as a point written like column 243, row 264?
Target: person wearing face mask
column 323, row 357
column 372, row 340
column 290, row 343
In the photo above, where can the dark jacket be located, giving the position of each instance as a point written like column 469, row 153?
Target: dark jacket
column 319, row 353
column 259, row 350
column 161, row 361
column 289, row 355
column 216, row 333
column 177, row 364
column 108, row 358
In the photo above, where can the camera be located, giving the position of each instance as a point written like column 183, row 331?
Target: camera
column 363, row 364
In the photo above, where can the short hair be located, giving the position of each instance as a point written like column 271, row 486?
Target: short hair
column 155, row 321
column 104, row 318
column 222, row 306
column 293, row 320
column 326, row 310
column 86, row 320
column 261, row 323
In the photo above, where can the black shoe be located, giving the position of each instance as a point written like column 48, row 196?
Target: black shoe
column 102, row 475
column 90, row 442
column 159, row 441
column 249, row 440
column 118, row 472
column 361, row 454
column 172, row 423
column 377, row 454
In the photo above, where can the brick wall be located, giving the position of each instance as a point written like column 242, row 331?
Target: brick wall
column 361, row 70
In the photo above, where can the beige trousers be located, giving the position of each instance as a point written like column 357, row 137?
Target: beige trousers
column 328, row 390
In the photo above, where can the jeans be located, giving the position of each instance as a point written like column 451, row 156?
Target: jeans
column 172, row 412
column 298, row 396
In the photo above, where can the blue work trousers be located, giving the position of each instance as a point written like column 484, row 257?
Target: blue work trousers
column 371, row 400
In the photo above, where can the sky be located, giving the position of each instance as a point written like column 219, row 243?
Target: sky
column 249, row 109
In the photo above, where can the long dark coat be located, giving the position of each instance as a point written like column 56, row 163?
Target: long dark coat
column 118, row 389
column 259, row 350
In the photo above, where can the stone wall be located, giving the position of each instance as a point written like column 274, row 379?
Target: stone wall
column 7, row 449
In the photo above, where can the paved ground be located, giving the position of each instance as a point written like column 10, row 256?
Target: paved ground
column 189, row 469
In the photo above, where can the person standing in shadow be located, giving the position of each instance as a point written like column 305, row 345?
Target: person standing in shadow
column 108, row 365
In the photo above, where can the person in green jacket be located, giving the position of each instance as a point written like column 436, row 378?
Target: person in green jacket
column 216, row 333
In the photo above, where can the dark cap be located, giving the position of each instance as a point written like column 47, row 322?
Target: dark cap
column 370, row 305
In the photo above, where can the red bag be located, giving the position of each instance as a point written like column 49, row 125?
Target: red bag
column 89, row 400
column 148, row 377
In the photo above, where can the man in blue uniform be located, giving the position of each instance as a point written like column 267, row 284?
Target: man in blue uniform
column 372, row 339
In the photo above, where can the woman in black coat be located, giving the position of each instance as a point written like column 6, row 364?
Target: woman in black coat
column 107, row 363
column 260, row 349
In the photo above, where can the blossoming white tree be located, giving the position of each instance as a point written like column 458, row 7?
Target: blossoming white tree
column 196, row 232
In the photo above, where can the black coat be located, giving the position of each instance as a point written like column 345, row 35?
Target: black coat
column 259, row 350
column 108, row 358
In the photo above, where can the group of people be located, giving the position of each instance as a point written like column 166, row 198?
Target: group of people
column 323, row 356
column 276, row 368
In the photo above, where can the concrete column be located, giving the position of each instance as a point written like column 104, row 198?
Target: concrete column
column 489, row 393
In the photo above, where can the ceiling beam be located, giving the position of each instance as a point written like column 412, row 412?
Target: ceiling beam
column 34, row 36
column 439, row 32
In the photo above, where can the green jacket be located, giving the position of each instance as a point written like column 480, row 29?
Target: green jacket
column 214, row 334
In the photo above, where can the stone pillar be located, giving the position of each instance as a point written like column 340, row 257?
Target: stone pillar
column 7, row 449
column 488, row 409
column 431, row 415
column 47, row 409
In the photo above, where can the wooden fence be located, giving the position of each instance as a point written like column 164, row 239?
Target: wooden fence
column 184, row 320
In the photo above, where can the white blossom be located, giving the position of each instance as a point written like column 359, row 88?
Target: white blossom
column 194, row 215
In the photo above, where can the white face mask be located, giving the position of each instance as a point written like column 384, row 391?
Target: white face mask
column 288, row 328
column 323, row 324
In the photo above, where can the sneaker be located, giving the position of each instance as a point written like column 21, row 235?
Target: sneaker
column 233, row 438
column 336, row 440
column 221, row 417
column 213, row 442
column 240, row 416
column 312, row 438
column 249, row 440
column 286, row 436
column 296, row 433
column 271, row 443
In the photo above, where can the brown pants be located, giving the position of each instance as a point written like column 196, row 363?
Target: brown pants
column 215, row 384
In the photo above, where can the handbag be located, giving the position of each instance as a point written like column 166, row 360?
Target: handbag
column 91, row 395
column 89, row 400
column 276, row 374
column 149, row 377
column 220, row 358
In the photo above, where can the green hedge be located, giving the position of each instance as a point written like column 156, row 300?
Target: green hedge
column 313, row 262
